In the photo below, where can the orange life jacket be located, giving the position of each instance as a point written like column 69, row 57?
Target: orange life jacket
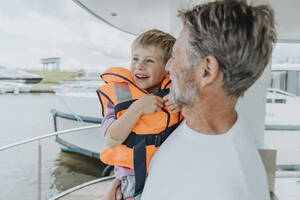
column 121, row 91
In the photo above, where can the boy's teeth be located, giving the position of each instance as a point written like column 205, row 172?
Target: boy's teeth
column 141, row 76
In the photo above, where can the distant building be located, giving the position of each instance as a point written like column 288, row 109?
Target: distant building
column 51, row 64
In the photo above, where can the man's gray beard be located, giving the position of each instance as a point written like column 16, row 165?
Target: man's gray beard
column 188, row 92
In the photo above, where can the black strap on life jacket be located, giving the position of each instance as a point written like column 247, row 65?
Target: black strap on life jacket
column 163, row 92
column 138, row 143
column 125, row 105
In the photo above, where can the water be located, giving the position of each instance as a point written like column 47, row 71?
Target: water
column 25, row 116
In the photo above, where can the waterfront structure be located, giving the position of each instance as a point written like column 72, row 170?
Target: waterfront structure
column 53, row 62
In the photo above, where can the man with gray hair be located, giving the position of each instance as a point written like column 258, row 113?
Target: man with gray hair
column 222, row 50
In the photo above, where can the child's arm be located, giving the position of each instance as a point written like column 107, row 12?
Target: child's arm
column 107, row 120
column 119, row 130
column 173, row 107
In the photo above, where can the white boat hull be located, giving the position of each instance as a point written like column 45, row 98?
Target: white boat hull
column 85, row 104
column 283, row 114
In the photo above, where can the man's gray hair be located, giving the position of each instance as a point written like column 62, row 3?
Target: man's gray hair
column 238, row 35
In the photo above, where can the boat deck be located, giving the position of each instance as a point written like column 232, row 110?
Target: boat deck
column 285, row 189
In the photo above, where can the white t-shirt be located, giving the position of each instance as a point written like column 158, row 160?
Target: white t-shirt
column 192, row 165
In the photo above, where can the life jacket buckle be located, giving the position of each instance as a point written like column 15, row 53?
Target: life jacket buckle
column 157, row 140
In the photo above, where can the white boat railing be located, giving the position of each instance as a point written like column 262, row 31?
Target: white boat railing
column 39, row 138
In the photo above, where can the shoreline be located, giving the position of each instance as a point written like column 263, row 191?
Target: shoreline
column 42, row 88
column 52, row 78
column 41, row 91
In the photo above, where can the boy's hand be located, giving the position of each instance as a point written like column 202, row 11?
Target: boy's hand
column 114, row 191
column 173, row 107
column 148, row 104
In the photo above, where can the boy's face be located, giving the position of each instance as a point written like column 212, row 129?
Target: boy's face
column 148, row 68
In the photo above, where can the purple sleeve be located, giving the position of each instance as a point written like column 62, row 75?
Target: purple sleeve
column 120, row 172
column 109, row 117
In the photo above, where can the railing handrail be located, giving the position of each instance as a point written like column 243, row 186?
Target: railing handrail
column 47, row 136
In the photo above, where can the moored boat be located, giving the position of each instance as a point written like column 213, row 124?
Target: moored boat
column 78, row 105
column 14, row 87
column 8, row 74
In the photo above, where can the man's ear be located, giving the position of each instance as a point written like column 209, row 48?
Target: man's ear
column 210, row 71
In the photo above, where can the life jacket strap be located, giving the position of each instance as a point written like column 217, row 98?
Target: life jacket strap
column 163, row 92
column 139, row 142
column 150, row 139
column 139, row 161
column 125, row 105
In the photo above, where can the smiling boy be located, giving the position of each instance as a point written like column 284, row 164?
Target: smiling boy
column 136, row 119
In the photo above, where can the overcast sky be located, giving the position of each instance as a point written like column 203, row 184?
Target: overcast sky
column 35, row 29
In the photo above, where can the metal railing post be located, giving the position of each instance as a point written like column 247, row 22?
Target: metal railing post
column 39, row 171
column 39, row 138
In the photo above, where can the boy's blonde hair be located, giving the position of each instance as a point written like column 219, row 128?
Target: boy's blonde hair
column 158, row 39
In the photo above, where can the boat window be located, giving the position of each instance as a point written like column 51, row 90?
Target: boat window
column 280, row 100
column 269, row 100
column 278, row 80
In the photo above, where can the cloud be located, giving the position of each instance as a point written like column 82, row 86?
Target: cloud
column 58, row 28
column 43, row 28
